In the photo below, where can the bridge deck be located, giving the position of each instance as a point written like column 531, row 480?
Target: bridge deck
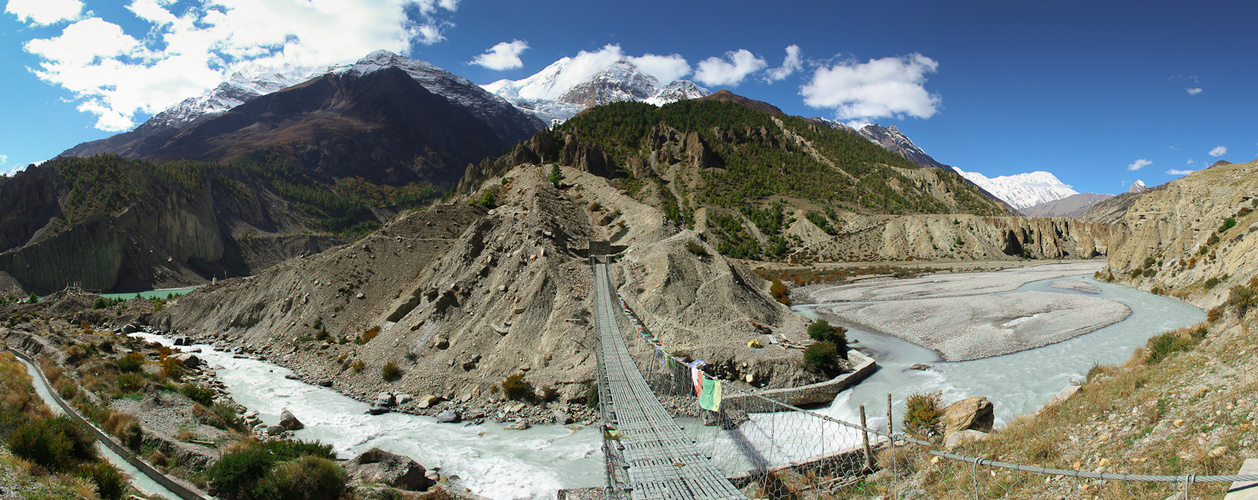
column 662, row 460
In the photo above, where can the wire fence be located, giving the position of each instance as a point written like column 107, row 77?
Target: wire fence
column 771, row 449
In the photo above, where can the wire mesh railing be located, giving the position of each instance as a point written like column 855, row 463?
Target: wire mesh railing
column 771, row 449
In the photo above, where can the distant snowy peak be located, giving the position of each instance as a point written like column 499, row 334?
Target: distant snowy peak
column 891, row 139
column 1023, row 190
column 680, row 90
column 1137, row 187
column 252, row 82
column 621, row 82
column 563, row 89
column 243, row 86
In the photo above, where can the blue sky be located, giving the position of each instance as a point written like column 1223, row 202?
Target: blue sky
column 1099, row 93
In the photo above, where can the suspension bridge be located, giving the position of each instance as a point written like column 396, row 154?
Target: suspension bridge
column 757, row 447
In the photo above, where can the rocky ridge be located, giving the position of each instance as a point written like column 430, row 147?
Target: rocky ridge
column 950, row 237
column 460, row 297
column 1178, row 236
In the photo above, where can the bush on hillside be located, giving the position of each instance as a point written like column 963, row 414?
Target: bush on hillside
column 307, row 478
column 1244, row 297
column 515, row 387
column 248, row 471
column 821, row 357
column 822, row 331
column 57, row 444
column 922, row 414
column 390, row 372
column 111, row 483
column 132, row 362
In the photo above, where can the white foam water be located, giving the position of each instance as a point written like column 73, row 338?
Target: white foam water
column 485, row 459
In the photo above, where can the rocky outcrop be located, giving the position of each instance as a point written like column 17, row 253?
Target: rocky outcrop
column 1193, row 235
column 976, row 413
column 956, row 237
column 376, row 466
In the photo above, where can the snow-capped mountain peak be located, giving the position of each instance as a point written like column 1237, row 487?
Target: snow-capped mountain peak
column 679, row 90
column 249, row 82
column 565, row 88
column 1137, row 187
column 1023, row 190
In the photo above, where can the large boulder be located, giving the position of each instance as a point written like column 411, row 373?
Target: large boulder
column 449, row 417
column 289, row 421
column 975, row 413
column 386, row 400
column 376, row 466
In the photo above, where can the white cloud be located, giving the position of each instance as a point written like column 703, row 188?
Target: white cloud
column 1175, row 171
column 793, row 62
column 120, row 77
column 1219, row 151
column 44, row 12
column 1194, row 90
column 729, row 71
column 880, row 88
column 1139, row 164
column 503, row 56
column 666, row 69
column 4, row 159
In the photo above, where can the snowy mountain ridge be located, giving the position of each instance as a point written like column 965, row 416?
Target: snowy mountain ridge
column 244, row 85
column 563, row 89
column 1022, row 190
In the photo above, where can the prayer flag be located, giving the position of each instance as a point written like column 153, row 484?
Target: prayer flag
column 711, row 398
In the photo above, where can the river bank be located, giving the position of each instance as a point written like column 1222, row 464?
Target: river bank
column 1018, row 383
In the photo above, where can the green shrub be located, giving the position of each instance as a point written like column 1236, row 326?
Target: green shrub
column 132, row 362
column 822, row 331
column 222, row 416
column 489, row 199
column 249, row 471
column 198, row 394
column 556, row 176
column 111, row 483
column 922, row 414
column 1228, row 223
column 515, row 387
column 1161, row 346
column 131, row 382
column 236, row 475
column 57, row 444
column 307, row 478
column 821, row 357
column 390, row 372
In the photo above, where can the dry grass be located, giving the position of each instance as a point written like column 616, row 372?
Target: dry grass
column 1181, row 407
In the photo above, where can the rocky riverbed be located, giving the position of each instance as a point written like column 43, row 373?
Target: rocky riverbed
column 974, row 315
